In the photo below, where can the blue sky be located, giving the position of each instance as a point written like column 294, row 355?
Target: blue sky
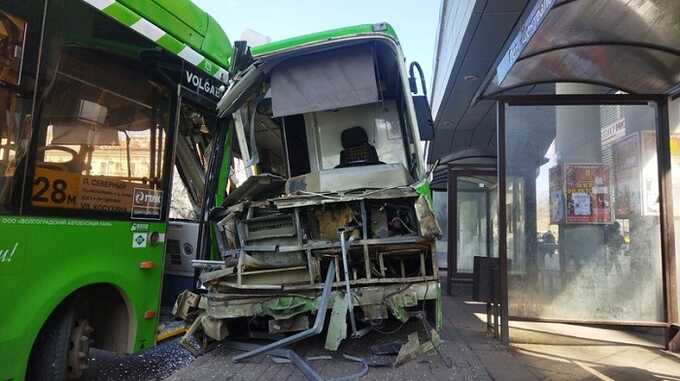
column 414, row 21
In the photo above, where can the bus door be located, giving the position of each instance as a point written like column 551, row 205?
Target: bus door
column 197, row 129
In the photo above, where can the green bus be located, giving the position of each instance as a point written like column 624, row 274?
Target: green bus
column 328, row 205
column 108, row 126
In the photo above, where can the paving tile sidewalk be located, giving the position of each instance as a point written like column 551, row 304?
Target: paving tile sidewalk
column 464, row 345
column 539, row 352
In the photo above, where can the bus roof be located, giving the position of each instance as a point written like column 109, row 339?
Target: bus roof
column 179, row 26
column 384, row 29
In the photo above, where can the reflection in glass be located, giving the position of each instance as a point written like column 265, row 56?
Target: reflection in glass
column 472, row 222
column 440, row 204
column 19, row 41
column 674, row 121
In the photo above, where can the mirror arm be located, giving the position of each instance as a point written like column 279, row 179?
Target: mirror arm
column 412, row 78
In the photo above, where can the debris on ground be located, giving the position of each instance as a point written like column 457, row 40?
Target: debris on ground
column 284, row 360
column 386, row 349
column 409, row 351
column 405, row 352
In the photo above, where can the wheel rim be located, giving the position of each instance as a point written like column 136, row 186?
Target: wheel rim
column 79, row 348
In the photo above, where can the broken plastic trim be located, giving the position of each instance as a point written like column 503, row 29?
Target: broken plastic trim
column 239, row 90
column 313, row 331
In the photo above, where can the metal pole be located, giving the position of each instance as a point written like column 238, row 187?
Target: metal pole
column 668, row 262
column 502, row 222
column 451, row 240
column 348, row 290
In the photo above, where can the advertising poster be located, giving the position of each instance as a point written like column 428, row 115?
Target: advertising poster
column 588, row 194
column 61, row 189
column 556, row 180
column 675, row 170
column 650, row 176
column 627, row 177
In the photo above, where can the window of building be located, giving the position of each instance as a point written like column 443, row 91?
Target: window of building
column 19, row 44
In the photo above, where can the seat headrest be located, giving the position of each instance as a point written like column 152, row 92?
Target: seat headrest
column 353, row 137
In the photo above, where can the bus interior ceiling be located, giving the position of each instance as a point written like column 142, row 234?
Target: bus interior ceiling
column 311, row 177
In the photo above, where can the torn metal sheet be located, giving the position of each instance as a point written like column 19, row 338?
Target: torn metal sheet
column 216, row 329
column 187, row 302
column 311, row 199
column 409, row 351
column 286, row 307
column 337, row 328
column 293, row 324
column 186, row 340
column 346, row 179
column 429, row 227
column 431, row 345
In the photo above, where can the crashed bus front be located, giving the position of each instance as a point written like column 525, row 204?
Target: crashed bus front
column 327, row 176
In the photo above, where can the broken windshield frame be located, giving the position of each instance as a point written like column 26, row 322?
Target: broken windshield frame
column 298, row 144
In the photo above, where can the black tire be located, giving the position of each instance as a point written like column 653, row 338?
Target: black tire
column 48, row 360
column 63, row 345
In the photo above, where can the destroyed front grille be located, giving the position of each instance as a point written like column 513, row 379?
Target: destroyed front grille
column 259, row 228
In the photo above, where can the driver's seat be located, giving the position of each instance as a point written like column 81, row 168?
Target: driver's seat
column 356, row 150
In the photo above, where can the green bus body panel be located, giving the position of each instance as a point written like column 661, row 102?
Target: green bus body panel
column 224, row 169
column 188, row 23
column 313, row 38
column 51, row 258
column 216, row 44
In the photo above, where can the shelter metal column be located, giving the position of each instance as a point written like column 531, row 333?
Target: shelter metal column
column 502, row 222
column 668, row 264
column 452, row 240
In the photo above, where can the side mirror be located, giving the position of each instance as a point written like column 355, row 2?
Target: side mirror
column 424, row 117
column 241, row 57
column 421, row 104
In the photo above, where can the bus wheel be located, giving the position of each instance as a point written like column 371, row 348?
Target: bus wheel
column 62, row 348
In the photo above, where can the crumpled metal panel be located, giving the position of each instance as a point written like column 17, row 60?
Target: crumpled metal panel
column 631, row 45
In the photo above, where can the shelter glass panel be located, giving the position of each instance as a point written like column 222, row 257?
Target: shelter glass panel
column 582, row 201
column 674, row 127
column 472, row 203
column 441, row 211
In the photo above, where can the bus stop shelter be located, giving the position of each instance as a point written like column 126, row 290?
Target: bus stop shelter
column 580, row 108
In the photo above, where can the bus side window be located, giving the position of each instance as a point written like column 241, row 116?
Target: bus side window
column 104, row 123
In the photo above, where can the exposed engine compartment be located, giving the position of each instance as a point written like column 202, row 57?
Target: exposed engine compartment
column 328, row 206
column 277, row 253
